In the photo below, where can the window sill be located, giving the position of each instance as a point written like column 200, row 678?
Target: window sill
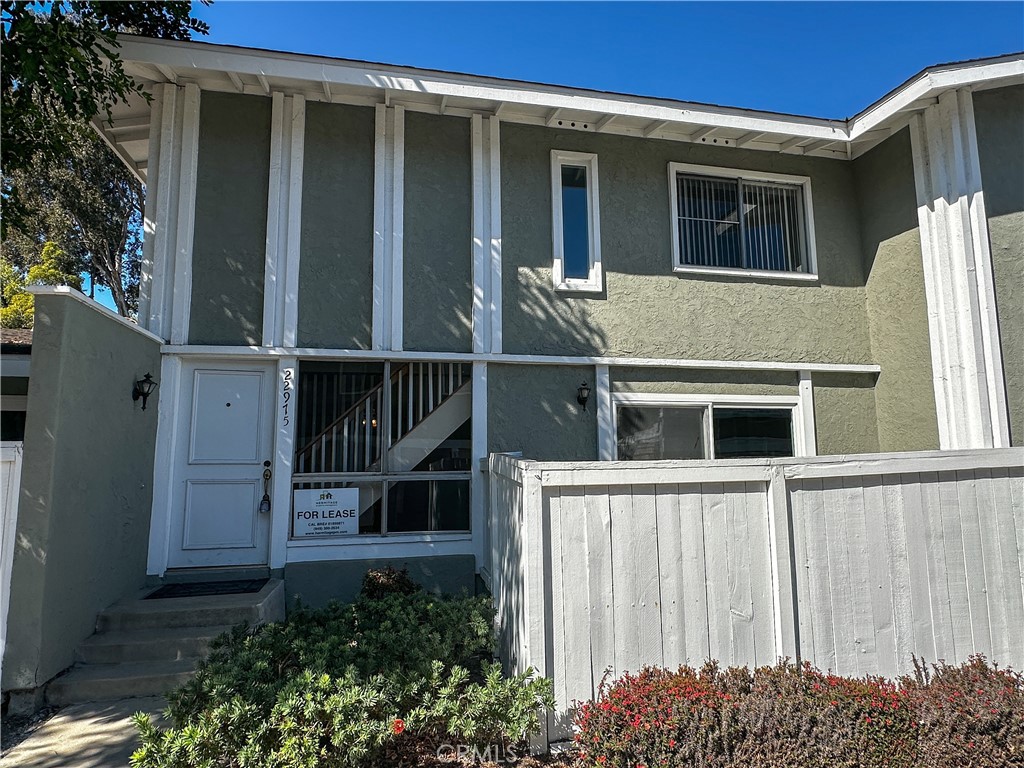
column 578, row 287
column 356, row 539
column 761, row 274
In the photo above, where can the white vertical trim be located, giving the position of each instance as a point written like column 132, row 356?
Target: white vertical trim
column 929, row 248
column 495, row 260
column 478, row 489
column 605, row 414
column 293, row 190
column 988, row 318
column 284, row 450
column 967, row 367
column 397, row 232
column 182, row 300
column 807, row 445
column 166, row 187
column 152, row 210
column 481, row 269
column 781, row 545
column 272, row 271
column 164, row 463
column 381, row 310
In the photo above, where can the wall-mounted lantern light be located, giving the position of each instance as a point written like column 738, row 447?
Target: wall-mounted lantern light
column 143, row 389
column 582, row 395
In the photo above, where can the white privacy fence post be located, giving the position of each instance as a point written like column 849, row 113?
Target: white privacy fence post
column 782, row 557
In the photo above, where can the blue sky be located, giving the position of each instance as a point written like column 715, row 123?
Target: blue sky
column 824, row 59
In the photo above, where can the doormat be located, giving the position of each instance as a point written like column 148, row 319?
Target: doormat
column 208, row 588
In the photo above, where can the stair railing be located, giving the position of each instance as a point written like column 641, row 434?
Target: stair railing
column 352, row 442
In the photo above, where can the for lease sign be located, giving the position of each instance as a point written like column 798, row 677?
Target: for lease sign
column 327, row 512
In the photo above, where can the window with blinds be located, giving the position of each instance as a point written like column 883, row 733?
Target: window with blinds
column 740, row 223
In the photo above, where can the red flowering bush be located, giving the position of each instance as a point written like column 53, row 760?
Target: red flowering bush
column 788, row 715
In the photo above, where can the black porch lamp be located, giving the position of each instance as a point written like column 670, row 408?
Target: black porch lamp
column 582, row 395
column 143, row 389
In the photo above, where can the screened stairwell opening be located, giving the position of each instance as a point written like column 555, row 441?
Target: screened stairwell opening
column 394, row 435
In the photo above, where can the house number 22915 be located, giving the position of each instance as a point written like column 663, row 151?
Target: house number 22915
column 286, row 397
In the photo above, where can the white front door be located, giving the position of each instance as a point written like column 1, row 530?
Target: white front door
column 225, row 436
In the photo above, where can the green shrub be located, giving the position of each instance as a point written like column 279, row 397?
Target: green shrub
column 348, row 685
column 788, row 715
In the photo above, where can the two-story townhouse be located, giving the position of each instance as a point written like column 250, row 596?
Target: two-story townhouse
column 366, row 278
column 373, row 276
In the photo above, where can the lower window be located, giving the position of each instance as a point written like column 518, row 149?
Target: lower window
column 648, row 432
column 382, row 448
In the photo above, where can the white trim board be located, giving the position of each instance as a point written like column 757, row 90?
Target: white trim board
column 967, row 366
column 226, row 352
column 220, row 67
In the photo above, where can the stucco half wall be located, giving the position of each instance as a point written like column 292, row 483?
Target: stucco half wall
column 84, row 512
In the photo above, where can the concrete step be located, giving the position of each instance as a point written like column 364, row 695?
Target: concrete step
column 220, row 573
column 162, row 644
column 214, row 611
column 102, row 682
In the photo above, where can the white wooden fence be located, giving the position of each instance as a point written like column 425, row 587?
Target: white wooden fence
column 853, row 563
column 10, row 489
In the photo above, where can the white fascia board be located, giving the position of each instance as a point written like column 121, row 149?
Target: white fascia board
column 188, row 59
column 930, row 84
column 186, row 56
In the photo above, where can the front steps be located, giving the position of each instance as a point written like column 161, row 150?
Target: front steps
column 149, row 647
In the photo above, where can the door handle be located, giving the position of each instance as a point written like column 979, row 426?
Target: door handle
column 265, row 501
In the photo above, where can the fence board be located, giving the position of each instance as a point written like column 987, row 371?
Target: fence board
column 966, row 486
column 601, row 587
column 670, row 572
column 892, row 558
column 694, row 570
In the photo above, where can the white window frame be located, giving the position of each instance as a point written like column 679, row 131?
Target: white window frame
column 803, row 443
column 594, row 282
column 804, row 182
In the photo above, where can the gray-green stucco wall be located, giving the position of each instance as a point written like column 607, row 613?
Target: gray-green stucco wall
column 533, row 409
column 336, row 247
column 896, row 303
column 999, row 119
column 84, row 510
column 229, row 244
column 437, row 234
column 646, row 310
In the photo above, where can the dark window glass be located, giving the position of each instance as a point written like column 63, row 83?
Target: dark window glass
column 752, row 432
column 648, row 432
column 740, row 224
column 428, row 505
column 340, row 420
column 12, row 425
column 575, row 223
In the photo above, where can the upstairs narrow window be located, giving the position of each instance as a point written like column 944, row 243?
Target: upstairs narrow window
column 576, row 232
column 727, row 221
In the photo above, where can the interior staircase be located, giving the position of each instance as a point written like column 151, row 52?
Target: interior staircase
column 148, row 647
column 427, row 401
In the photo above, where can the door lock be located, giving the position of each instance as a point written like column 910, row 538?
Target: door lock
column 265, row 501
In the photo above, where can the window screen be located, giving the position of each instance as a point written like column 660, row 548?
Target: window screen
column 741, row 224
